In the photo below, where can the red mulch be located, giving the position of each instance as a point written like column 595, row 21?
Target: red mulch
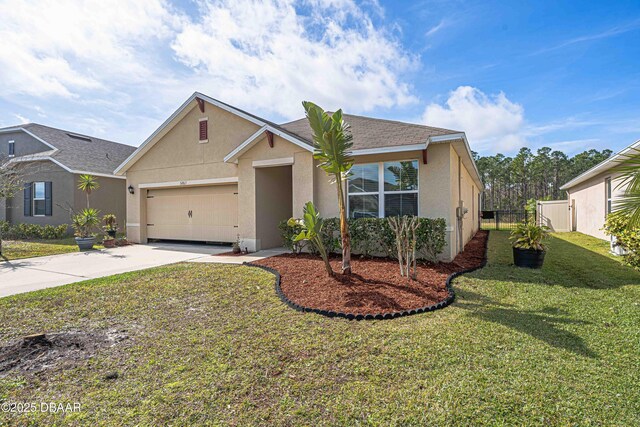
column 375, row 285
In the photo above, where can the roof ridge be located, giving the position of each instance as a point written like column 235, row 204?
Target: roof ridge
column 386, row 120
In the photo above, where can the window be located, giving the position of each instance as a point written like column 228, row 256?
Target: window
column 12, row 148
column 203, row 130
column 39, row 203
column 377, row 190
column 607, row 184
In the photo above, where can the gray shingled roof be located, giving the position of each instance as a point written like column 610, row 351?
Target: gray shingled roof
column 95, row 155
column 374, row 133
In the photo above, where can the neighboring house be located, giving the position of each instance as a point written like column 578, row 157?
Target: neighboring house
column 213, row 172
column 52, row 160
column 592, row 194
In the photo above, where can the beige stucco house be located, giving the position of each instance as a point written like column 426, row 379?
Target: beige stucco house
column 215, row 173
column 592, row 194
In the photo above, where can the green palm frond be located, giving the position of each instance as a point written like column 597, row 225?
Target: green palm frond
column 629, row 203
column 332, row 139
column 88, row 183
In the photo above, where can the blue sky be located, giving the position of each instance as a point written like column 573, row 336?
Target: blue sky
column 510, row 74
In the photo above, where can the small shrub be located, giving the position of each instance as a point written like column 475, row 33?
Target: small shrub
column 4, row 228
column 32, row 231
column 373, row 237
column 617, row 224
column 289, row 231
column 48, row 232
column 331, row 235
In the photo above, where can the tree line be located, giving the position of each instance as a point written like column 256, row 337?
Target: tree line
column 511, row 181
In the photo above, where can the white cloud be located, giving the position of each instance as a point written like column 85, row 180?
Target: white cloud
column 128, row 63
column 21, row 118
column 490, row 121
column 268, row 55
column 433, row 30
column 61, row 47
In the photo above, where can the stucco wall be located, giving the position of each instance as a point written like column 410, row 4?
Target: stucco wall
column 110, row 198
column 179, row 156
column 23, row 144
column 300, row 190
column 590, row 204
column 62, row 188
column 435, row 187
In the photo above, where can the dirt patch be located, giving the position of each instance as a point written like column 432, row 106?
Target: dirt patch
column 375, row 286
column 37, row 353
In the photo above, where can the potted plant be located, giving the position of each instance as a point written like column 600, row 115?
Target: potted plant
column 110, row 225
column 83, row 224
column 528, row 249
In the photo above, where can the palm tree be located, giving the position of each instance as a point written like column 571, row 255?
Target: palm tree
column 87, row 184
column 629, row 204
column 332, row 141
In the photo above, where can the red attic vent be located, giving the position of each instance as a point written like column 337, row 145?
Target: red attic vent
column 204, row 130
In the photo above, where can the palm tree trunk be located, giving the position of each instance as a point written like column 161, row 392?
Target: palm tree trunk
column 87, row 200
column 344, row 229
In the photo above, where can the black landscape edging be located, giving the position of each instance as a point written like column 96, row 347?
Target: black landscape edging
column 379, row 316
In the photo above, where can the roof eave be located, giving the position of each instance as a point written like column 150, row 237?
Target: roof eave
column 237, row 152
column 462, row 137
column 601, row 167
column 124, row 166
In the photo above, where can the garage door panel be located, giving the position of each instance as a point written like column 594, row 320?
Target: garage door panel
column 214, row 213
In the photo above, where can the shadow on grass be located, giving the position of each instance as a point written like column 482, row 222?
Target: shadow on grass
column 566, row 264
column 542, row 324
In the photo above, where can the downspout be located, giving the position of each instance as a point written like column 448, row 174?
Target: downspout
column 459, row 212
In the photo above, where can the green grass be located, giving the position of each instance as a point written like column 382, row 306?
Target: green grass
column 213, row 345
column 18, row 249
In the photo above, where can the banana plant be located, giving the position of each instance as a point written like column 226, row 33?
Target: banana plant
column 528, row 235
column 311, row 224
column 332, row 142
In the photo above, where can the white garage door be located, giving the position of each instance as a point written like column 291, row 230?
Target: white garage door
column 194, row 213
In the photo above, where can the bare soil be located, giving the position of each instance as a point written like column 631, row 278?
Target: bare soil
column 35, row 354
column 375, row 285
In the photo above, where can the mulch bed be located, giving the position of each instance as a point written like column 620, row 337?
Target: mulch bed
column 375, row 286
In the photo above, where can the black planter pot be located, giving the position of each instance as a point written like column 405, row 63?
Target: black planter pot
column 529, row 258
column 111, row 233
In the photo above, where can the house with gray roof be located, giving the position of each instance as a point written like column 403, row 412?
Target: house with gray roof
column 51, row 161
column 215, row 173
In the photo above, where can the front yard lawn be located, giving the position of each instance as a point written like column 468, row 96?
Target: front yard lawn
column 213, row 345
column 17, row 249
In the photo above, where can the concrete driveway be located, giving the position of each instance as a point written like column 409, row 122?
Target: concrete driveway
column 30, row 274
